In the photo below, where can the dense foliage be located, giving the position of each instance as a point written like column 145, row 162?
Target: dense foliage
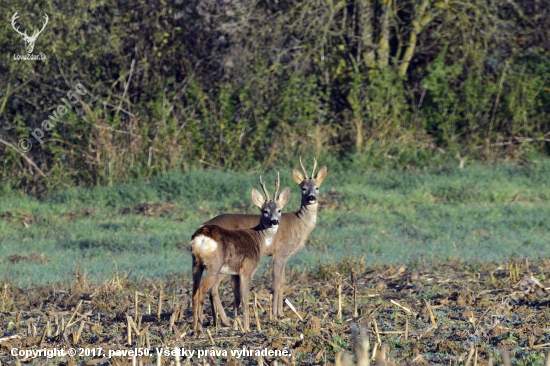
column 241, row 83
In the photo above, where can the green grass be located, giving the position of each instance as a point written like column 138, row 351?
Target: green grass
column 481, row 213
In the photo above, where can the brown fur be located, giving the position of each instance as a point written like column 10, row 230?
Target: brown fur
column 289, row 239
column 235, row 247
column 233, row 251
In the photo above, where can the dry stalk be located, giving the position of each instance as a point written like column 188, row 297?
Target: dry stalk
column 15, row 336
column 172, row 321
column 74, row 314
column 240, row 325
column 179, row 337
column 285, row 360
column 210, row 337
column 159, row 307
column 79, row 331
column 354, row 288
column 258, row 325
column 432, row 317
column 339, row 316
column 401, row 306
column 136, row 306
column 129, row 331
column 147, row 340
column 470, row 355
column 374, row 349
column 407, row 329
column 319, row 354
column 43, row 338
column 133, row 325
column 287, row 301
column 376, row 330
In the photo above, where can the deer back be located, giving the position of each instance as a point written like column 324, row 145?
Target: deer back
column 232, row 248
column 290, row 237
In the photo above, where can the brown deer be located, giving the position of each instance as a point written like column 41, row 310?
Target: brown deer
column 289, row 240
column 234, row 251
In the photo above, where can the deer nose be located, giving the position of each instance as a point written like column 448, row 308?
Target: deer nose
column 274, row 222
column 311, row 198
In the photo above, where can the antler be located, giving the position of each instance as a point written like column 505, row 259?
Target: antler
column 35, row 33
column 276, row 187
column 46, row 18
column 264, row 188
column 304, row 169
column 13, row 18
column 314, row 166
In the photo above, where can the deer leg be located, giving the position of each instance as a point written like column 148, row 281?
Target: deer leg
column 217, row 306
column 198, row 302
column 281, row 291
column 198, row 268
column 278, row 276
column 245, row 288
column 237, row 283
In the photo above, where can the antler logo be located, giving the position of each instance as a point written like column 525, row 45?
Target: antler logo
column 29, row 41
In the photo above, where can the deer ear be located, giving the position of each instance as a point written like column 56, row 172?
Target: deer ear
column 284, row 197
column 297, row 176
column 257, row 198
column 321, row 175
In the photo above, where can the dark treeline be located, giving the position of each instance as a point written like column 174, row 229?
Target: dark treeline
column 237, row 84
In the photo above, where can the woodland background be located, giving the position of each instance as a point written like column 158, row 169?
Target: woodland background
column 246, row 84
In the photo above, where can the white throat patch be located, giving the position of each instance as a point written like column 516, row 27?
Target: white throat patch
column 268, row 241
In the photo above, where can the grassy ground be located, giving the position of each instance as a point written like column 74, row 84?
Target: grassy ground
column 481, row 213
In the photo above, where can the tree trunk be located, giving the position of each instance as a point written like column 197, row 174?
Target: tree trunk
column 419, row 22
column 384, row 41
column 366, row 32
column 359, row 136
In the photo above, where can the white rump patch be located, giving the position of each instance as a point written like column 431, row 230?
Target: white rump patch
column 203, row 245
column 226, row 270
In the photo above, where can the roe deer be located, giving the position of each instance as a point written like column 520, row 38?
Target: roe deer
column 290, row 238
column 234, row 251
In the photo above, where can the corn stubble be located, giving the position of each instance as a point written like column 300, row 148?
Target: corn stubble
column 449, row 314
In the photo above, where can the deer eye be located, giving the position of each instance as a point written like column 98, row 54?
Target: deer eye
column 265, row 212
column 316, row 188
column 278, row 211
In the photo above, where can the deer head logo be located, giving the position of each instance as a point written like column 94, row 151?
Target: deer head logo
column 29, row 41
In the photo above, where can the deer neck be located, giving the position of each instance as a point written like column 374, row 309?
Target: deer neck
column 265, row 236
column 308, row 215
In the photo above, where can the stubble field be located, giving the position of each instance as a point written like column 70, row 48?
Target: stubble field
column 435, row 255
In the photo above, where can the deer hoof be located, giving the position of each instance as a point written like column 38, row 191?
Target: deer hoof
column 198, row 333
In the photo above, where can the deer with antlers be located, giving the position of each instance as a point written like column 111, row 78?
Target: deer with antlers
column 29, row 40
column 236, row 252
column 289, row 240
